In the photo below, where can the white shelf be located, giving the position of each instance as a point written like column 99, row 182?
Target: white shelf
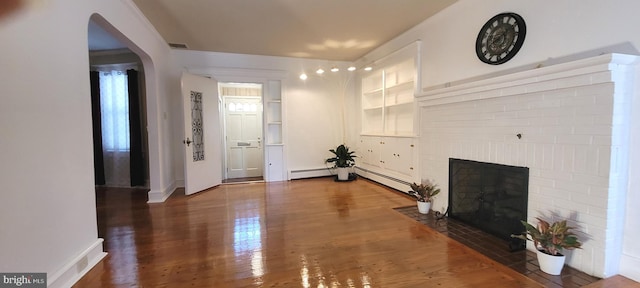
column 399, row 104
column 274, row 114
column 388, row 99
column 368, row 109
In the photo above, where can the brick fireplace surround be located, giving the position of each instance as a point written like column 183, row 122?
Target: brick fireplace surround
column 575, row 121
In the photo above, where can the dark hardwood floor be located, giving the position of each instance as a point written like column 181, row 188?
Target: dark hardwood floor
column 303, row 233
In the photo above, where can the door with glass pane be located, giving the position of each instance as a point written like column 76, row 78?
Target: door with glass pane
column 202, row 139
column 243, row 124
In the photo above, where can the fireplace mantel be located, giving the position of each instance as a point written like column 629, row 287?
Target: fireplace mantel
column 571, row 124
column 546, row 78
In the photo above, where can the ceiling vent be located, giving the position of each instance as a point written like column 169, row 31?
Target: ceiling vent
column 178, row 45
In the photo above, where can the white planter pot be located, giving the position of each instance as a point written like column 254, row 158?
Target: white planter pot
column 424, row 207
column 550, row 264
column 343, row 173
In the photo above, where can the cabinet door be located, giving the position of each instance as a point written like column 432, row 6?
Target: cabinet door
column 399, row 155
column 275, row 168
column 369, row 152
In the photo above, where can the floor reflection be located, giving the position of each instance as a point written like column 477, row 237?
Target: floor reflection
column 123, row 261
column 248, row 236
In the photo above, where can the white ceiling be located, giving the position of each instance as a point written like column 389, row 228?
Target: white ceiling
column 320, row 29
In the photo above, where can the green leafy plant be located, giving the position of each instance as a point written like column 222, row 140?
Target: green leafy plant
column 342, row 157
column 550, row 238
column 424, row 191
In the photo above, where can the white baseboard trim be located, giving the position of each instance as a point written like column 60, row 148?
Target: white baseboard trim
column 180, row 183
column 309, row 173
column 398, row 184
column 78, row 267
column 630, row 267
column 156, row 196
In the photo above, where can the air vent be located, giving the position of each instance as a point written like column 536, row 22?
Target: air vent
column 178, row 45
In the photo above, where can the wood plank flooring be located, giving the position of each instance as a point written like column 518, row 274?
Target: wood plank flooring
column 303, row 233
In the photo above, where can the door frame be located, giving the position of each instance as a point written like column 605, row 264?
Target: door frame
column 262, row 76
column 223, row 117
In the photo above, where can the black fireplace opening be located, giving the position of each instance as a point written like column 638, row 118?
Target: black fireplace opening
column 491, row 197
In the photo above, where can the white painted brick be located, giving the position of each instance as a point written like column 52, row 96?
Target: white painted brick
column 593, row 159
column 568, row 93
column 556, row 130
column 574, row 139
column 597, row 89
column 591, row 180
column 595, row 221
column 561, row 202
column 603, row 130
column 604, row 163
column 556, row 175
column 593, row 110
column 605, row 99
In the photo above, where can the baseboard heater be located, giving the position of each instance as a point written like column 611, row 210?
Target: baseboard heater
column 386, row 180
column 309, row 173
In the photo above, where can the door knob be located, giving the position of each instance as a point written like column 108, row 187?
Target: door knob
column 187, row 141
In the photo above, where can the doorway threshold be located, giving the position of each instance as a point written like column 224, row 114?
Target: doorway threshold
column 243, row 180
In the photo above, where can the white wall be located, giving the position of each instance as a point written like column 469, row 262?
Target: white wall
column 312, row 109
column 557, row 32
column 48, row 219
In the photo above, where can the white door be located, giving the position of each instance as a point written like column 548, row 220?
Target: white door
column 243, row 118
column 202, row 139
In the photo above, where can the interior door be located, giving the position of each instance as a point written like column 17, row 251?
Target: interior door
column 202, row 139
column 243, row 117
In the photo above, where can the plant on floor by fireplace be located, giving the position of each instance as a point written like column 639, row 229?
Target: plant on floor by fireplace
column 424, row 193
column 550, row 240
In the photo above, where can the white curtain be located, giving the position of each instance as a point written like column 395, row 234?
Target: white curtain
column 114, row 101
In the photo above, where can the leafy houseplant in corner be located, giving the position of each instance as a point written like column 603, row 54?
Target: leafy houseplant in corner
column 424, row 193
column 343, row 160
column 550, row 240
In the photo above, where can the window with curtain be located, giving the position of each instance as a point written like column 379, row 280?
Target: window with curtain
column 114, row 109
column 117, row 123
column 114, row 100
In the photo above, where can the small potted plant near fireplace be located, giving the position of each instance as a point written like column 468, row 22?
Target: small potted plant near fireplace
column 343, row 160
column 550, row 240
column 424, row 193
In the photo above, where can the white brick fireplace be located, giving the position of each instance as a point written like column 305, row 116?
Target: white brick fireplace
column 569, row 123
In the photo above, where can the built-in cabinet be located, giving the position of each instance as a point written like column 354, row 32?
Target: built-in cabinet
column 388, row 143
column 274, row 144
column 391, row 156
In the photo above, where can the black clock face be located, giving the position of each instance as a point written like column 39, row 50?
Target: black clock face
column 500, row 38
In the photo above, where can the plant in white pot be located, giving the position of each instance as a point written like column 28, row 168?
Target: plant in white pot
column 550, row 240
column 343, row 160
column 424, row 193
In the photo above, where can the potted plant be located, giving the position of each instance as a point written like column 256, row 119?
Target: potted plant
column 550, row 240
column 343, row 160
column 424, row 193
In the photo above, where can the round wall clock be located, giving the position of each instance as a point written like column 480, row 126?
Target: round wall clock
column 500, row 38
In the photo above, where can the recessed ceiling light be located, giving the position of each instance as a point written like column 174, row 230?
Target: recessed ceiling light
column 303, row 76
column 319, row 71
column 335, row 69
column 368, row 68
column 352, row 68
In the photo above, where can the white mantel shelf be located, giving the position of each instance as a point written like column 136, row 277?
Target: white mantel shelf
column 520, row 82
